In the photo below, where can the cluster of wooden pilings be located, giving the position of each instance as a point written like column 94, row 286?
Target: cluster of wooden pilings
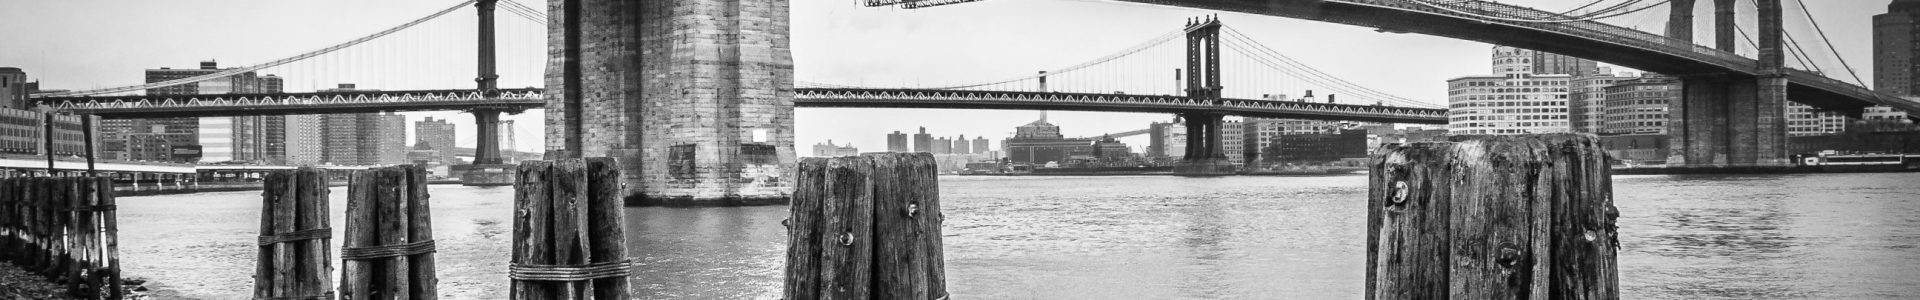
column 569, row 241
column 64, row 228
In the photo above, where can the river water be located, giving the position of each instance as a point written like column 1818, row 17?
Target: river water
column 1815, row 236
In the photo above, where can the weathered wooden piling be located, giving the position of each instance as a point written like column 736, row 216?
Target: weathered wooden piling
column 866, row 227
column 568, row 233
column 63, row 228
column 295, row 239
column 1519, row 217
column 389, row 236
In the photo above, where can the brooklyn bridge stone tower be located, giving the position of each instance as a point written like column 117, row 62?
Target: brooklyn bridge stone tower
column 695, row 97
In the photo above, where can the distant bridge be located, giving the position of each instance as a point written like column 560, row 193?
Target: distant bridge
column 523, row 99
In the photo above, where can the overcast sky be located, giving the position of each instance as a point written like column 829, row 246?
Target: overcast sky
column 97, row 43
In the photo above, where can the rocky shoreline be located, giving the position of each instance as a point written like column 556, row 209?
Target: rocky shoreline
column 17, row 283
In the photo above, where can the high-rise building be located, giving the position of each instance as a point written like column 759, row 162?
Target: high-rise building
column 980, row 145
column 254, row 139
column 1233, row 141
column 1512, row 101
column 943, row 146
column 923, row 142
column 392, row 130
column 364, row 139
column 1895, row 54
column 897, row 142
column 506, row 139
column 1638, row 106
column 303, row 141
column 13, row 88
column 1587, row 100
column 962, row 146
column 1166, row 140
column 437, row 135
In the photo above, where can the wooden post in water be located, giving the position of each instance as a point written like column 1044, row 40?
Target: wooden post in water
column 389, row 249
column 568, row 232
column 866, row 227
column 295, row 239
column 1510, row 217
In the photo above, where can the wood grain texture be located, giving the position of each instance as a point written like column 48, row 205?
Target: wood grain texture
column 357, row 276
column 804, row 236
column 424, row 284
column 847, row 249
column 533, row 218
column 1507, row 217
column 899, row 267
column 606, row 221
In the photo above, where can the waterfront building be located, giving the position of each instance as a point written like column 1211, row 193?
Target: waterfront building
column 1315, row 148
column 1108, row 149
column 828, row 149
column 1515, row 99
column 1804, row 120
column 1638, row 106
column 923, row 142
column 1166, row 140
column 14, row 88
column 897, row 142
column 1040, row 143
column 1586, row 100
column 438, row 133
column 20, row 132
column 980, row 145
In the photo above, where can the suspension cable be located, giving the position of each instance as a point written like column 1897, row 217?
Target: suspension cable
column 237, row 71
column 1162, row 39
column 1829, row 42
column 1316, row 72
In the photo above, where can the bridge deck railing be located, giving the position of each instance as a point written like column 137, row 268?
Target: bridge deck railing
column 186, row 101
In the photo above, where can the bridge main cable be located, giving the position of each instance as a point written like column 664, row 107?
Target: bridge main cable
column 237, row 71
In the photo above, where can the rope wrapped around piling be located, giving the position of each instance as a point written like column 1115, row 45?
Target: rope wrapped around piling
column 309, row 234
column 377, row 252
column 591, row 271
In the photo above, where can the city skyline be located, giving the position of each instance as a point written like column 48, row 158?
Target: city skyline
column 824, row 34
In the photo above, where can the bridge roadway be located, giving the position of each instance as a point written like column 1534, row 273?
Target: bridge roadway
column 520, row 99
column 1586, row 39
column 339, row 102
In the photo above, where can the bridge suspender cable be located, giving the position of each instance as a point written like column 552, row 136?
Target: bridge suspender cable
column 1123, row 53
column 1829, row 42
column 237, row 71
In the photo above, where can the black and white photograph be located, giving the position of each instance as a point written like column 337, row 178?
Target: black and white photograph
column 960, row 149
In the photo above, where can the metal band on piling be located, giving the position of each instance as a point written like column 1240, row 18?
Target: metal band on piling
column 377, row 252
column 309, row 234
column 591, row 271
column 327, row 296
